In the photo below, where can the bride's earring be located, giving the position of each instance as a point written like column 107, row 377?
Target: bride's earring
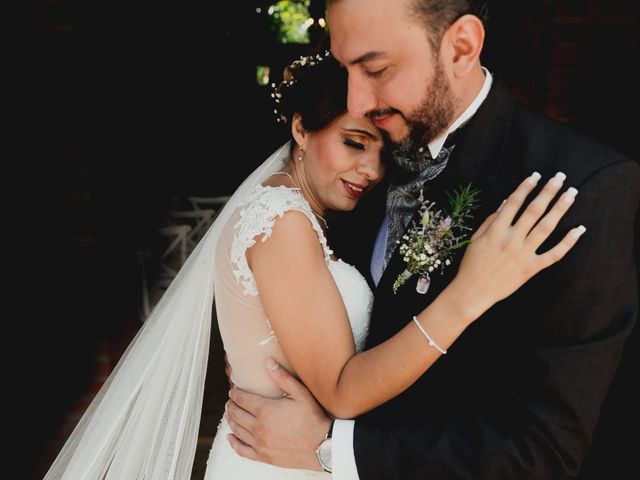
column 301, row 154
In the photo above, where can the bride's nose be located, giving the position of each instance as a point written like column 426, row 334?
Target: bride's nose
column 370, row 167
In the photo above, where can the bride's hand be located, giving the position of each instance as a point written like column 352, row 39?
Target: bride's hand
column 502, row 254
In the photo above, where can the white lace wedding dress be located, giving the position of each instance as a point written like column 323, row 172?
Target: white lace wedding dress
column 246, row 333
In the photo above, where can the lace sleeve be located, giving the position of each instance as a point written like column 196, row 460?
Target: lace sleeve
column 258, row 213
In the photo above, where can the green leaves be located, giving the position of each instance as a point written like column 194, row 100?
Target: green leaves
column 463, row 201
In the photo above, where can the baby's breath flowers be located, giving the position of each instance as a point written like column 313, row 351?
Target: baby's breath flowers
column 292, row 73
column 431, row 239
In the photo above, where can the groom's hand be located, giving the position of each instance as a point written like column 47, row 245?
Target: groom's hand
column 284, row 432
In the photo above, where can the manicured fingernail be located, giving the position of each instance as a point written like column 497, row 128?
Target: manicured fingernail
column 534, row 178
column 579, row 231
column 570, row 195
column 501, row 205
column 558, row 180
column 272, row 364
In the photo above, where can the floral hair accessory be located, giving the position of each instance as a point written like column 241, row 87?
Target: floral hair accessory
column 292, row 73
column 430, row 242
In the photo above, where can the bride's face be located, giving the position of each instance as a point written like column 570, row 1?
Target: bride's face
column 342, row 162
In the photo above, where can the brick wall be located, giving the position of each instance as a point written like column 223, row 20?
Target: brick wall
column 574, row 61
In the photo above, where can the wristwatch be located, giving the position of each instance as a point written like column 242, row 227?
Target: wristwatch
column 323, row 452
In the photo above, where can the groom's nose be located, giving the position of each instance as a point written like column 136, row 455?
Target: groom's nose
column 360, row 96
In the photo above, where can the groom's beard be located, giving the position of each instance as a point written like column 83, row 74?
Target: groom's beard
column 427, row 122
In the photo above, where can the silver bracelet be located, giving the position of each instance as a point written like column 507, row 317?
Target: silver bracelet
column 429, row 339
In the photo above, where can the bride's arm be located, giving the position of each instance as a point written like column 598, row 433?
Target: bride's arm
column 308, row 316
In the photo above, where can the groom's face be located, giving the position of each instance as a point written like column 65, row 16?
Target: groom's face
column 395, row 77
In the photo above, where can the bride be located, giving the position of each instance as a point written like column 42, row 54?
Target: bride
column 281, row 293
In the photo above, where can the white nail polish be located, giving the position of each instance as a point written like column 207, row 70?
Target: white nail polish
column 534, row 178
column 579, row 231
column 501, row 205
column 570, row 195
column 559, row 179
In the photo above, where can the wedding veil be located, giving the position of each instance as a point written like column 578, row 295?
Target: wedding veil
column 143, row 424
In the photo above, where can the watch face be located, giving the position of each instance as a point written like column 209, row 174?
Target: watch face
column 325, row 453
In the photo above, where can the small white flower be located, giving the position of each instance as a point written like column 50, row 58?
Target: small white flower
column 423, row 257
column 447, row 262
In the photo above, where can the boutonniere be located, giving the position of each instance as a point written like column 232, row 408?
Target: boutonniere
column 430, row 241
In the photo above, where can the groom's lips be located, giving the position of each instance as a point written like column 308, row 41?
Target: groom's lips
column 382, row 120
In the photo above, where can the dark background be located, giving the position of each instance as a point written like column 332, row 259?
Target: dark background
column 123, row 108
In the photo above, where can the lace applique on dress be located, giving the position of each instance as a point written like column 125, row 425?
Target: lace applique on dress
column 272, row 335
column 258, row 212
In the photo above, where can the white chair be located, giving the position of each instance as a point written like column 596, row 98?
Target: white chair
column 201, row 219
column 212, row 203
column 175, row 254
column 185, row 229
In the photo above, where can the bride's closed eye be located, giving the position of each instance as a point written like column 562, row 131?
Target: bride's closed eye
column 353, row 144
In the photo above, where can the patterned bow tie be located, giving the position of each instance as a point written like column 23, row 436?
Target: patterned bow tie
column 403, row 198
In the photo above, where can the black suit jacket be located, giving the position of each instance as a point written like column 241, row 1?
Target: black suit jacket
column 519, row 393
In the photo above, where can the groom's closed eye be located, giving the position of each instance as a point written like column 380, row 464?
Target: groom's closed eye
column 376, row 73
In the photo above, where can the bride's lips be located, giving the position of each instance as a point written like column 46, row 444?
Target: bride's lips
column 353, row 189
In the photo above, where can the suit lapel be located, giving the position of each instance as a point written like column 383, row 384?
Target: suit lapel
column 477, row 159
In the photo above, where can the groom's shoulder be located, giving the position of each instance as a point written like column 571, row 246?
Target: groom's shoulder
column 565, row 149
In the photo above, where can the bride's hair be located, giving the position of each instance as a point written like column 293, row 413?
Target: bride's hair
column 314, row 87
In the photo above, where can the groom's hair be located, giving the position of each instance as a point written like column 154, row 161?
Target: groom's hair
column 439, row 15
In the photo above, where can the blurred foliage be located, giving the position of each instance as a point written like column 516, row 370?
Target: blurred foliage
column 290, row 19
column 262, row 75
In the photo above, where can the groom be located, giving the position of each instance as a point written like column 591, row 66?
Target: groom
column 519, row 394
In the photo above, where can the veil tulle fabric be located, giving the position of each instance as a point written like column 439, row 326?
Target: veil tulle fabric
column 143, row 424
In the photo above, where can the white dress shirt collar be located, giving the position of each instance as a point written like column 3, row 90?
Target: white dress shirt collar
column 436, row 145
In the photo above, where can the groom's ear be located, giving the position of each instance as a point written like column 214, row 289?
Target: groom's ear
column 462, row 44
column 298, row 131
